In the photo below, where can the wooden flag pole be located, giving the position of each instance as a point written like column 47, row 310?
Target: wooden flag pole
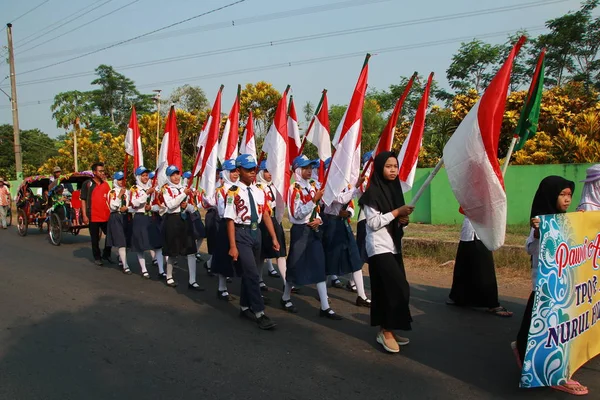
column 312, row 121
column 511, row 148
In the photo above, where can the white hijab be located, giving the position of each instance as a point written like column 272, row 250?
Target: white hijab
column 117, row 185
column 260, row 178
column 227, row 178
column 143, row 186
column 305, row 183
column 590, row 196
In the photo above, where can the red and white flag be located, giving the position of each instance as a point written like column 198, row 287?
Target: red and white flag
column 248, row 145
column 344, row 169
column 170, row 149
column 208, row 164
column 294, row 142
column 318, row 130
column 228, row 146
column 133, row 141
column 409, row 153
column 278, row 162
column 471, row 160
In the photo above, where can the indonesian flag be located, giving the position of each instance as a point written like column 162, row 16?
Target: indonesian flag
column 471, row 159
column 318, row 134
column 133, row 141
column 293, row 132
column 344, row 169
column 409, row 153
column 228, row 147
column 170, row 149
column 248, row 145
column 208, row 165
column 278, row 162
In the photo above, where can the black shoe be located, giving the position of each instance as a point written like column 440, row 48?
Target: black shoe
column 351, row 287
column 274, row 274
column 154, row 262
column 145, row 275
column 99, row 263
column 328, row 314
column 127, row 271
column 198, row 257
column 208, row 270
column 195, row 286
column 337, row 284
column 108, row 259
column 363, row 302
column 162, row 276
column 171, row 283
column 288, row 306
column 229, row 280
column 248, row 314
column 265, row 323
column 264, row 288
column 266, row 300
column 224, row 295
column 295, row 290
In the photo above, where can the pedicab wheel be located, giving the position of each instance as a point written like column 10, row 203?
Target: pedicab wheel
column 21, row 223
column 9, row 217
column 55, row 230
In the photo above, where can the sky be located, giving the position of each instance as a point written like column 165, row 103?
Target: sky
column 403, row 36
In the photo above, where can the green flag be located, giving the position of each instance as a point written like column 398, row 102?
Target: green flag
column 528, row 122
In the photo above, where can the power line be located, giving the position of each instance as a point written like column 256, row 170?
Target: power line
column 135, row 37
column 80, row 26
column 312, row 61
column 61, row 25
column 33, row 9
column 214, row 26
column 297, row 39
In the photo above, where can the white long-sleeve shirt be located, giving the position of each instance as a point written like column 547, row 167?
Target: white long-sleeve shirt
column 115, row 202
column 532, row 246
column 174, row 195
column 340, row 201
column 467, row 232
column 379, row 240
column 300, row 203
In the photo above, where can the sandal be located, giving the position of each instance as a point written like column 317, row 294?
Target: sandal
column 171, row 282
column 351, row 287
column 274, row 274
column 162, row 275
column 572, row 387
column 127, row 271
column 500, row 312
column 146, row 275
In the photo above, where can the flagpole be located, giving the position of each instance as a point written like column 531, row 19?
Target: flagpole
column 513, row 142
column 427, row 182
column 312, row 121
column 157, row 121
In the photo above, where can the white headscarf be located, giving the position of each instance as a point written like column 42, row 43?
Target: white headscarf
column 298, row 178
column 117, row 185
column 178, row 186
column 140, row 185
column 590, row 196
column 227, row 179
column 260, row 178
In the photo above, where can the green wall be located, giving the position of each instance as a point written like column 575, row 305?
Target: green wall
column 438, row 205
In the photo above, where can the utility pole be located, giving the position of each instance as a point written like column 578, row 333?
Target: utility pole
column 157, row 99
column 13, row 101
column 75, row 133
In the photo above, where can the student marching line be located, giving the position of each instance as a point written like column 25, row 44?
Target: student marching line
column 211, row 219
column 245, row 208
column 118, row 229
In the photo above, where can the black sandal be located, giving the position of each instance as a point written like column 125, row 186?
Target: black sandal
column 127, row 271
column 171, row 282
column 195, row 286
column 146, row 275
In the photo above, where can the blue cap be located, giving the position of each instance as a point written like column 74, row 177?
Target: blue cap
column 151, row 174
column 228, row 165
column 327, row 162
column 171, row 169
column 366, row 156
column 119, row 175
column 263, row 165
column 301, row 161
column 187, row 174
column 245, row 161
column 140, row 170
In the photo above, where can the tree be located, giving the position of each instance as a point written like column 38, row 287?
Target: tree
column 262, row 99
column 188, row 98
column 373, row 122
column 37, row 147
column 308, row 110
column 68, row 106
column 473, row 66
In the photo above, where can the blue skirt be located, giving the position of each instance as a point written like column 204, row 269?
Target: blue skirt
column 118, row 230
column 199, row 231
column 341, row 251
column 222, row 263
column 306, row 260
column 267, row 242
column 211, row 226
column 146, row 233
column 361, row 240
column 178, row 236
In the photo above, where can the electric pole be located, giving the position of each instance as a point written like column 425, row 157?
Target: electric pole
column 13, row 102
column 157, row 99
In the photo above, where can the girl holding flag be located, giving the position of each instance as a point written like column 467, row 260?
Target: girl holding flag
column 386, row 214
column 178, row 233
column 146, row 229
column 211, row 221
column 306, row 259
column 117, row 229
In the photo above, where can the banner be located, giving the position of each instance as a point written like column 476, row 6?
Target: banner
column 565, row 324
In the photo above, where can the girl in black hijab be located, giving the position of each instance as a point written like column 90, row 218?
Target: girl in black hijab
column 552, row 197
column 386, row 214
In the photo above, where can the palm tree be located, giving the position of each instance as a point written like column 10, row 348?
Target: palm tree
column 72, row 109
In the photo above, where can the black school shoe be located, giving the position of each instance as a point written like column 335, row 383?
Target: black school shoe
column 337, row 284
column 224, row 295
column 331, row 315
column 108, row 259
column 288, row 306
column 363, row 302
column 248, row 314
column 195, row 286
column 265, row 323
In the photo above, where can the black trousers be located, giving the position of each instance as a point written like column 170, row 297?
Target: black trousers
column 524, row 330
column 249, row 247
column 95, row 228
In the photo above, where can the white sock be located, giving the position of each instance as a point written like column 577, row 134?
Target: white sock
column 282, row 266
column 287, row 292
column 244, row 308
column 270, row 265
column 123, row 257
column 259, row 314
column 191, row 259
column 160, row 260
column 142, row 262
column 209, row 262
column 169, row 267
column 222, row 283
column 360, row 284
column 322, row 289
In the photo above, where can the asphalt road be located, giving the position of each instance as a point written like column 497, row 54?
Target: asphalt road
column 71, row 330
